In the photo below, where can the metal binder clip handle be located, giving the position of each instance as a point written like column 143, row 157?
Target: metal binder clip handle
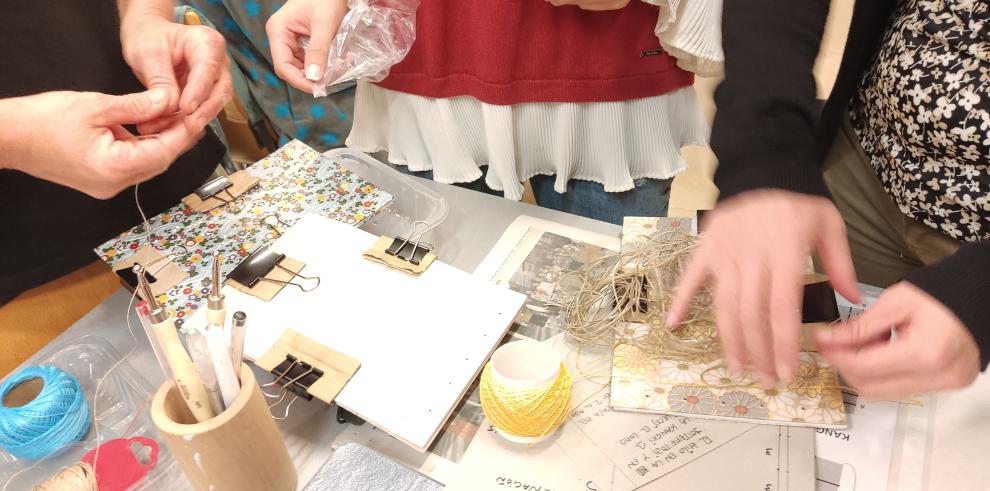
column 419, row 248
column 213, row 188
column 261, row 262
column 313, row 280
column 273, row 221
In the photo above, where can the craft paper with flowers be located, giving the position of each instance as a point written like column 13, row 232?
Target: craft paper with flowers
column 294, row 180
column 704, row 387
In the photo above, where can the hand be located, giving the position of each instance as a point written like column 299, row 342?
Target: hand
column 76, row 138
column 755, row 248
column 931, row 350
column 592, row 4
column 189, row 62
column 316, row 19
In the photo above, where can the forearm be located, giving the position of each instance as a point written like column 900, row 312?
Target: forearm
column 11, row 140
column 764, row 130
column 962, row 283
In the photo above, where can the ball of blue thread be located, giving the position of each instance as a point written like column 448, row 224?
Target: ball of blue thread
column 57, row 416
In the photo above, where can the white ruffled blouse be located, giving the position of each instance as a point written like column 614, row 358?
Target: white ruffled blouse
column 611, row 143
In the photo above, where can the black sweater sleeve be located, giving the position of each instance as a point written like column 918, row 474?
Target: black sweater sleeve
column 962, row 283
column 767, row 131
column 765, row 125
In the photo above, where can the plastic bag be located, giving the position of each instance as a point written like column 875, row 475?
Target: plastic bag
column 373, row 36
column 122, row 413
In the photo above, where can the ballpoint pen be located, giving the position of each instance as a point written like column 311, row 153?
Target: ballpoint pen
column 238, row 329
column 187, row 380
column 216, row 310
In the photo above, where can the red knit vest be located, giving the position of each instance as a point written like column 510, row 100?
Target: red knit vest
column 514, row 51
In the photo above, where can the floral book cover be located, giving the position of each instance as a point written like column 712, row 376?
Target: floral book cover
column 706, row 389
column 293, row 180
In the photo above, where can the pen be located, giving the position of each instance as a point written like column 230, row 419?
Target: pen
column 226, row 377
column 200, row 353
column 144, row 315
column 216, row 310
column 184, row 374
column 238, row 329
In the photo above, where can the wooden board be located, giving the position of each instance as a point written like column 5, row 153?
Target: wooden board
column 421, row 340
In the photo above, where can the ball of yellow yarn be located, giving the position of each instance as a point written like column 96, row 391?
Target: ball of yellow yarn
column 526, row 413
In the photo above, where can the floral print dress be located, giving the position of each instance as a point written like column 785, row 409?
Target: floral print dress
column 923, row 115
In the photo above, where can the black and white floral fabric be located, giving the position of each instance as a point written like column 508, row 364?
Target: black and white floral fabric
column 923, row 115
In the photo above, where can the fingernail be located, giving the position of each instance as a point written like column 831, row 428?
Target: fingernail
column 824, row 334
column 313, row 72
column 157, row 96
column 193, row 106
column 227, row 98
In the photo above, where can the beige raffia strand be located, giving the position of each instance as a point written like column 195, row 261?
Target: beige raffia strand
column 599, row 298
column 76, row 477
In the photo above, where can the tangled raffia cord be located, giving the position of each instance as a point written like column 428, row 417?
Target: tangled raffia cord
column 76, row 477
column 526, row 413
column 599, row 299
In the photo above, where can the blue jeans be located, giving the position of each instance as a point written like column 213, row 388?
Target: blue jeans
column 649, row 197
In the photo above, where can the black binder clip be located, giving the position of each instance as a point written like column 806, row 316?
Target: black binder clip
column 818, row 304
column 262, row 261
column 298, row 377
column 412, row 249
column 213, row 189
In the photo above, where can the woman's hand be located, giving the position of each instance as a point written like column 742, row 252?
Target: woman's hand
column 77, row 139
column 316, row 19
column 932, row 349
column 754, row 248
column 189, row 62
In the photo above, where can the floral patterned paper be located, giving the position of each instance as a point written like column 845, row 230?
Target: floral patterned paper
column 295, row 180
column 642, row 383
column 705, row 388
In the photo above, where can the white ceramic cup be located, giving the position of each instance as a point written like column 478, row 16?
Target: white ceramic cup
column 525, row 365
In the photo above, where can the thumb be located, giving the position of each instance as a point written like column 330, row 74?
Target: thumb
column 134, row 108
column 889, row 311
column 323, row 27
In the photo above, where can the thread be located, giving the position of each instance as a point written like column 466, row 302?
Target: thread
column 76, row 477
column 526, row 413
column 58, row 414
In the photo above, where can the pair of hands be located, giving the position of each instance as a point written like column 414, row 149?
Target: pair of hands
column 754, row 248
column 77, row 139
column 318, row 20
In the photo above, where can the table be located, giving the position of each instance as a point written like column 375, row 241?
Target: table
column 956, row 427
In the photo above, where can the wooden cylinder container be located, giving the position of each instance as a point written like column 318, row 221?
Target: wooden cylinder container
column 239, row 449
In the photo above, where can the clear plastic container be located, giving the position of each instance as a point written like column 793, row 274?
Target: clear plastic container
column 411, row 200
column 122, row 412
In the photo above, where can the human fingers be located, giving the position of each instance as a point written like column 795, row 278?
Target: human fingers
column 785, row 314
column 832, row 245
column 753, row 286
column 204, row 53
column 140, row 107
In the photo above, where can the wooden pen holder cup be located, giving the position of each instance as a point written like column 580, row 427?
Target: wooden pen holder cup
column 239, row 449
